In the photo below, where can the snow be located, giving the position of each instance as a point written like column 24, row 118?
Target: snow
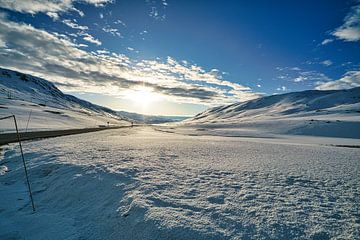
column 151, row 119
column 318, row 113
column 48, row 108
column 162, row 183
column 278, row 167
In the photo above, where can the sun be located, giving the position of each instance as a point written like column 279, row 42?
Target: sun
column 142, row 96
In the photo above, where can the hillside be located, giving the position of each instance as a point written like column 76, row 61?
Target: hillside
column 333, row 113
column 48, row 108
column 150, row 119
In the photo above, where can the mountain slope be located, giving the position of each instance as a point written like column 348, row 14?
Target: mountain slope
column 48, row 108
column 321, row 113
column 150, row 119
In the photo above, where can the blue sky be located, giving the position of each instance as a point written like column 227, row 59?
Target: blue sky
column 181, row 57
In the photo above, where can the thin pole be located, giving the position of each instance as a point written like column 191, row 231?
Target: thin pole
column 27, row 124
column 25, row 168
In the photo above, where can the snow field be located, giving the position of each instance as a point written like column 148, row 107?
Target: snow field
column 145, row 184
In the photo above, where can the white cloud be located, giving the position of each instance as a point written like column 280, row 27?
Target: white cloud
column 74, row 25
column 282, row 88
column 98, row 3
column 157, row 9
column 120, row 22
column 350, row 79
column 82, row 45
column 101, row 15
column 297, row 75
column 350, row 30
column 81, row 13
column 89, row 38
column 56, row 58
column 103, row 51
column 258, row 85
column 112, row 31
column 327, row 62
column 50, row 7
column 53, row 15
column 326, row 41
column 154, row 12
column 300, row 79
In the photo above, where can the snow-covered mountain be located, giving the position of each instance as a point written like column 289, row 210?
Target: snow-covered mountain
column 324, row 113
column 47, row 107
column 151, row 119
column 312, row 102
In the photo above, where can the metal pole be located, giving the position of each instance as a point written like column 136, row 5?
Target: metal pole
column 23, row 159
column 27, row 124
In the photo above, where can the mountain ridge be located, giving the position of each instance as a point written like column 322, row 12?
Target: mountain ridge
column 287, row 104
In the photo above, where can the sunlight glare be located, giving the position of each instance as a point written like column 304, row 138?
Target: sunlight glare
column 142, row 96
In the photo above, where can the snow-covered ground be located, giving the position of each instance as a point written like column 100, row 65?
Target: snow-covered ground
column 146, row 183
column 278, row 167
column 46, row 107
column 333, row 113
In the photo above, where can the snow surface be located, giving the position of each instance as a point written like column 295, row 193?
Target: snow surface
column 318, row 113
column 151, row 119
column 146, row 183
column 48, row 108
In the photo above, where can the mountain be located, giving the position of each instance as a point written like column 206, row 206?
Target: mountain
column 151, row 119
column 39, row 100
column 334, row 113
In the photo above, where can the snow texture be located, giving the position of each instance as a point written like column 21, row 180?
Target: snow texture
column 145, row 183
column 333, row 113
column 48, row 108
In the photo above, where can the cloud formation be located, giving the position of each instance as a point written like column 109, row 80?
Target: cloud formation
column 350, row 79
column 74, row 25
column 350, row 30
column 327, row 62
column 55, row 57
column 327, row 41
column 112, row 31
column 297, row 75
column 50, row 7
column 157, row 9
column 89, row 38
column 282, row 88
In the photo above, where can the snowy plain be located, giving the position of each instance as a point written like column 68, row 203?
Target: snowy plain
column 149, row 183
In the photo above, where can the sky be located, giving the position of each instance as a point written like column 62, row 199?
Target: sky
column 167, row 57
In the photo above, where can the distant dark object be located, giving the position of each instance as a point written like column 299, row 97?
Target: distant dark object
column 346, row 146
column 54, row 112
column 23, row 77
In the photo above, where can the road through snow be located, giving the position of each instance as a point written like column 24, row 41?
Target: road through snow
column 145, row 184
